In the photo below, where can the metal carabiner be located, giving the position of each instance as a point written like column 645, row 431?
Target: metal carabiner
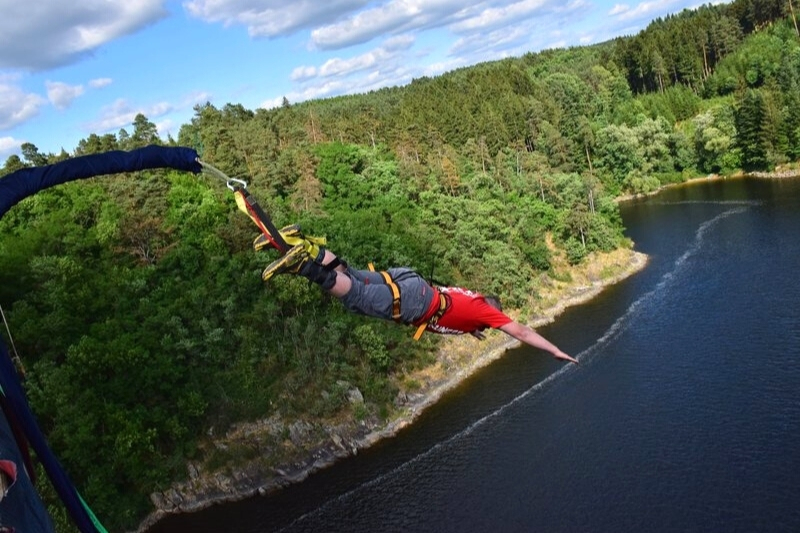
column 221, row 175
column 234, row 180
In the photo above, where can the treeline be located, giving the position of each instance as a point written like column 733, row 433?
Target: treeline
column 136, row 300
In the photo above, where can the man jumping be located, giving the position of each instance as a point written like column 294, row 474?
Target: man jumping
column 398, row 294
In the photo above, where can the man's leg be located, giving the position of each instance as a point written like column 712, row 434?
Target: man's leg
column 360, row 291
column 335, row 280
column 365, row 292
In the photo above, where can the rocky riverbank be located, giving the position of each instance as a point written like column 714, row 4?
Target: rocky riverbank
column 287, row 451
column 777, row 174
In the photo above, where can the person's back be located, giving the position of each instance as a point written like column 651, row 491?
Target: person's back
column 467, row 311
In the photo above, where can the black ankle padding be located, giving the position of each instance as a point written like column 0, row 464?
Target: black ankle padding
column 329, row 281
column 320, row 275
column 335, row 263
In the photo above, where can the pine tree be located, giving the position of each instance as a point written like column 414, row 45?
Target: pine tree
column 750, row 114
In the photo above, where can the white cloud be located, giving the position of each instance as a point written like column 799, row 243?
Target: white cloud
column 388, row 75
column 195, row 98
column 380, row 58
column 61, row 94
column 8, row 146
column 387, row 18
column 494, row 17
column 458, row 16
column 271, row 18
column 344, row 67
column 17, row 106
column 434, row 69
column 399, row 43
column 321, row 90
column 274, row 103
column 556, row 44
column 618, row 9
column 165, row 127
column 643, row 11
column 303, row 73
column 51, row 33
column 490, row 45
column 99, row 83
column 121, row 114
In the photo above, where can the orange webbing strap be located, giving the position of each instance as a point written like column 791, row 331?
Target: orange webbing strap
column 396, row 303
column 435, row 318
column 395, row 295
column 395, row 292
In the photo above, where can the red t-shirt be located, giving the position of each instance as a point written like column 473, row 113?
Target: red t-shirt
column 467, row 312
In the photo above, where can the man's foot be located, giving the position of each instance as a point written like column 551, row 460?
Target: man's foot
column 293, row 236
column 289, row 233
column 288, row 263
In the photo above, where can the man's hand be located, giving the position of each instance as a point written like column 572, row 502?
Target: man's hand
column 561, row 355
column 529, row 336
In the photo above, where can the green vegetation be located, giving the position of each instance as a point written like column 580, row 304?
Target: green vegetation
column 136, row 300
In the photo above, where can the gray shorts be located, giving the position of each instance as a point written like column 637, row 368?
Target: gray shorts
column 371, row 296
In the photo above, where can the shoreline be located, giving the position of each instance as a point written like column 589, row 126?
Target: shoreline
column 313, row 447
column 778, row 173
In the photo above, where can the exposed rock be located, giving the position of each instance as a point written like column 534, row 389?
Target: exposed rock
column 173, row 498
column 777, row 174
column 338, row 441
column 299, row 431
column 354, row 396
column 401, row 399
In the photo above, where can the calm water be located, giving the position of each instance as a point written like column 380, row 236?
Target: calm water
column 684, row 415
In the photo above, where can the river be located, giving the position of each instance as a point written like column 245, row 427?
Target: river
column 684, row 414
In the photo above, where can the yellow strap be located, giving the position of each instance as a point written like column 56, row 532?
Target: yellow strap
column 396, row 303
column 434, row 319
column 241, row 203
column 395, row 294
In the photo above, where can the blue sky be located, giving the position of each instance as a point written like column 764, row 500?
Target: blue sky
column 72, row 68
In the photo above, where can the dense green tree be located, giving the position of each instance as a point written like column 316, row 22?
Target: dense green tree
column 31, row 154
column 715, row 140
column 12, row 164
column 618, row 154
column 96, row 144
column 144, row 132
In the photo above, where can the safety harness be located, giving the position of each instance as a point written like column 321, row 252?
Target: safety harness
column 422, row 324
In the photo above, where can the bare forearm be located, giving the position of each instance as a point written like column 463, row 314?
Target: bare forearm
column 530, row 337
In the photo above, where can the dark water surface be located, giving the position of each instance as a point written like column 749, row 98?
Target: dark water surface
column 684, row 415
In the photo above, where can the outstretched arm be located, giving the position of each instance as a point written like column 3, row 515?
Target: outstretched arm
column 529, row 336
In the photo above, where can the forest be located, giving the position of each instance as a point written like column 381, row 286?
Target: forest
column 136, row 301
